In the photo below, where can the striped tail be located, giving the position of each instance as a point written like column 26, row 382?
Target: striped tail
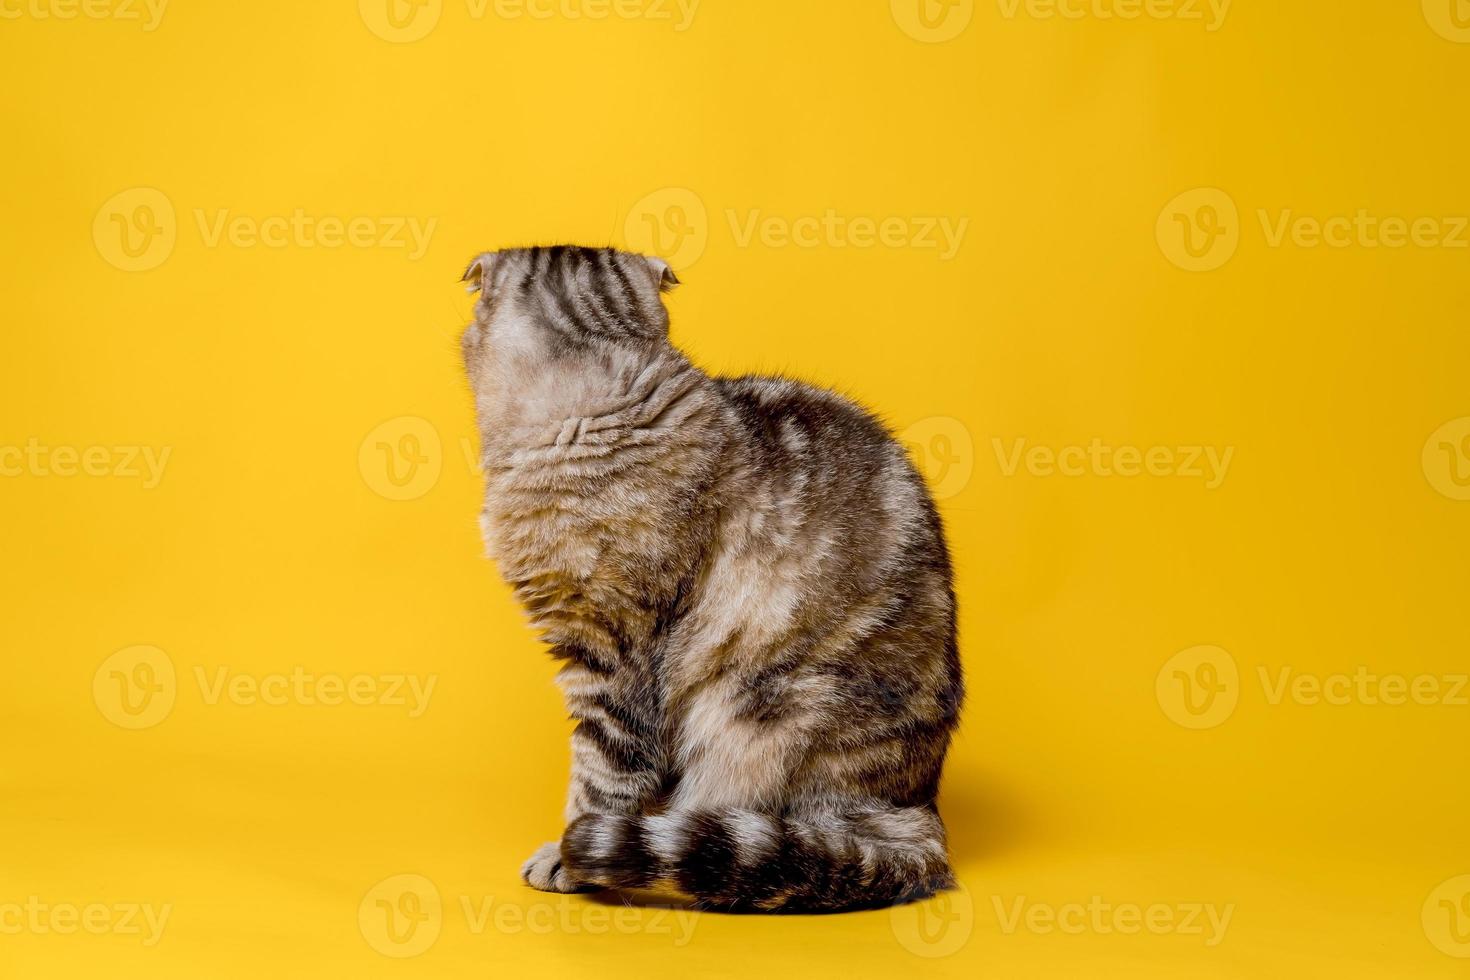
column 740, row 860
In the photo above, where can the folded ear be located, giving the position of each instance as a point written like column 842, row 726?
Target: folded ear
column 662, row 274
column 480, row 273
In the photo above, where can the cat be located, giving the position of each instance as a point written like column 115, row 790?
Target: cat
column 748, row 584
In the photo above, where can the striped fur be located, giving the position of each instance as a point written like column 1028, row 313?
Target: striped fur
column 749, row 588
column 746, row 860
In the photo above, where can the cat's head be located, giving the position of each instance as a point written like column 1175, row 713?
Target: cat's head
column 565, row 297
column 545, row 313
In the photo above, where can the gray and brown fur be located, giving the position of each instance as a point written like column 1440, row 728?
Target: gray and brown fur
column 748, row 584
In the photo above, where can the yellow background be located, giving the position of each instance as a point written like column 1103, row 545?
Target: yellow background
column 1336, row 832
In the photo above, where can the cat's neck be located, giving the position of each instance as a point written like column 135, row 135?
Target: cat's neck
column 591, row 454
column 597, row 396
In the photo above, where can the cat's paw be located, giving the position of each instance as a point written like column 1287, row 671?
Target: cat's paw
column 544, row 872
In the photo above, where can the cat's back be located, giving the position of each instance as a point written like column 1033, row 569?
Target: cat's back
column 841, row 524
column 830, row 457
column 778, row 412
column 772, row 397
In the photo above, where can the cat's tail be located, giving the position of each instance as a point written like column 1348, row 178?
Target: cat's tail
column 740, row 860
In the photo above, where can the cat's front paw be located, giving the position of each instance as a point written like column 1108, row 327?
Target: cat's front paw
column 544, row 872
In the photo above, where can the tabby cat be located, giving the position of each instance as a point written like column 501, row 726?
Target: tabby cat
column 748, row 584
